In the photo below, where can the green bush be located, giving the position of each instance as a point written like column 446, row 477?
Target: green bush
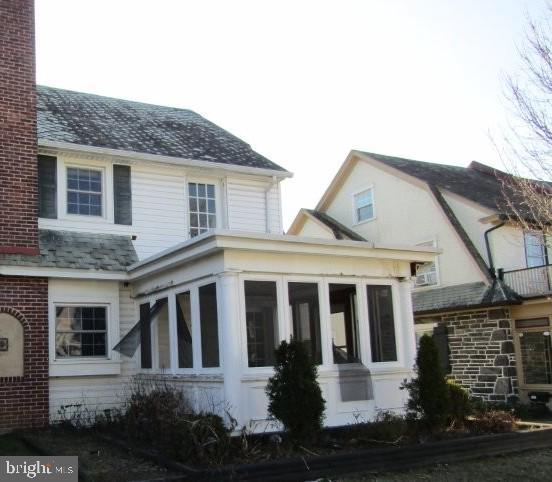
column 429, row 397
column 294, row 395
column 460, row 406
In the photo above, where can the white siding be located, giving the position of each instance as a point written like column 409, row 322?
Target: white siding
column 159, row 214
column 246, row 205
column 97, row 393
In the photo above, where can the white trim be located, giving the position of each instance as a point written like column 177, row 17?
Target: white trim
column 63, row 273
column 120, row 153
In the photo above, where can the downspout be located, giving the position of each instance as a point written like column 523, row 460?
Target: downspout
column 488, row 246
column 267, row 199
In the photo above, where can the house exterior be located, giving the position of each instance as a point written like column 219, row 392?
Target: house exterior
column 143, row 241
column 486, row 296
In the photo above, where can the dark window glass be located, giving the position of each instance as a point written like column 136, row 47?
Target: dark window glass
column 305, row 315
column 163, row 339
column 81, row 331
column 184, row 330
column 145, row 335
column 382, row 323
column 209, row 325
column 261, row 309
column 536, row 357
column 344, row 322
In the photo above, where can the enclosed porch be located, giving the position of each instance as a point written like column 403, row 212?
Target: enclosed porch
column 213, row 310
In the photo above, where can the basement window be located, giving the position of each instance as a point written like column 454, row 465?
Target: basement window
column 81, row 331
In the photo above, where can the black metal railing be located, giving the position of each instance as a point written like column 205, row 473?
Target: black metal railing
column 529, row 281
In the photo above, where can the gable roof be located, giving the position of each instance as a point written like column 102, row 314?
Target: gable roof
column 93, row 120
column 339, row 230
column 68, row 249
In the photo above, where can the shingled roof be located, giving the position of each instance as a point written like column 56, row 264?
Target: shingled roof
column 67, row 249
column 464, row 296
column 477, row 182
column 93, row 120
column 340, row 231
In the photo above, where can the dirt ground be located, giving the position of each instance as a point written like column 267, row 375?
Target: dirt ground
column 526, row 466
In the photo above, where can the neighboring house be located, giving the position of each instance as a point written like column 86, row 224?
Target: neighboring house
column 145, row 240
column 486, row 295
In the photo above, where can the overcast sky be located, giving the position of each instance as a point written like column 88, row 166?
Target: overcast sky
column 303, row 82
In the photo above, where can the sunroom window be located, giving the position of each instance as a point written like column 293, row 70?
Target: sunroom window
column 344, row 323
column 305, row 317
column 84, row 191
column 202, row 206
column 535, row 349
column 261, row 308
column 382, row 323
column 81, row 331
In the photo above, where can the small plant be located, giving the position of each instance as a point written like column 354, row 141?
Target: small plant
column 386, row 428
column 493, row 421
column 294, row 395
column 460, row 406
column 429, row 396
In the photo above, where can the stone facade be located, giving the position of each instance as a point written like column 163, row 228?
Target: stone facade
column 482, row 357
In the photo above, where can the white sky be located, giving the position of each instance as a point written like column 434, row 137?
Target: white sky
column 302, row 81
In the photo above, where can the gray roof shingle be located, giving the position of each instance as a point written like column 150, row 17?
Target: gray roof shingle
column 93, row 120
column 479, row 183
column 67, row 249
column 464, row 296
column 339, row 230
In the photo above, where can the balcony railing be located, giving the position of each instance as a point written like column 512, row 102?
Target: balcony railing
column 529, row 282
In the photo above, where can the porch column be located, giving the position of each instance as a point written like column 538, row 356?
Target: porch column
column 229, row 315
column 407, row 315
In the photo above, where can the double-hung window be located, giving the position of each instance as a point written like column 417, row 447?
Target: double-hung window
column 84, row 191
column 81, row 331
column 363, row 206
column 535, row 249
column 202, row 206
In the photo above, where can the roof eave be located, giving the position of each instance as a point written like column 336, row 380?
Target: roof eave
column 134, row 155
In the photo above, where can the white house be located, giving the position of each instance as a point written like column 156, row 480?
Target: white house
column 486, row 296
column 160, row 235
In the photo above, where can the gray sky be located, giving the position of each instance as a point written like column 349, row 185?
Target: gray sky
column 302, row 81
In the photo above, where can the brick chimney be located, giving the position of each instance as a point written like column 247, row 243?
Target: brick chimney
column 18, row 142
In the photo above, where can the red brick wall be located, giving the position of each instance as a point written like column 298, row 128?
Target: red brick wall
column 24, row 400
column 18, row 143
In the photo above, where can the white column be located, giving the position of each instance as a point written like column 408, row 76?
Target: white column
column 407, row 317
column 230, row 343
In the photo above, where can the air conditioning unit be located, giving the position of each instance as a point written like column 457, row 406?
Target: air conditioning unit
column 426, row 279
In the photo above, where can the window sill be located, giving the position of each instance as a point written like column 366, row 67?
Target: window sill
column 80, row 368
column 365, row 221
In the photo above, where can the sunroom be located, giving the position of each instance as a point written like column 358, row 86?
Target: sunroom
column 213, row 309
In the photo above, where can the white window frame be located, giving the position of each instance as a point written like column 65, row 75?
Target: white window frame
column 218, row 206
column 432, row 243
column 356, row 221
column 102, row 192
column 83, row 305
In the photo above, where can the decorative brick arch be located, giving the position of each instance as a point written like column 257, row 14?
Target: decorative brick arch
column 17, row 315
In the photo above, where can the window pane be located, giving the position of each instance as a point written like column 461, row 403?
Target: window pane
column 163, row 340
column 202, row 208
column 536, row 357
column 261, row 316
column 305, row 315
column 209, row 325
column 366, row 212
column 382, row 323
column 211, row 190
column 184, row 330
column 344, row 323
column 532, row 323
column 80, row 331
column 84, row 188
column 363, row 198
column 145, row 335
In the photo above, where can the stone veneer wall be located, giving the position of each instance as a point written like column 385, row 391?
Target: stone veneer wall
column 482, row 355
